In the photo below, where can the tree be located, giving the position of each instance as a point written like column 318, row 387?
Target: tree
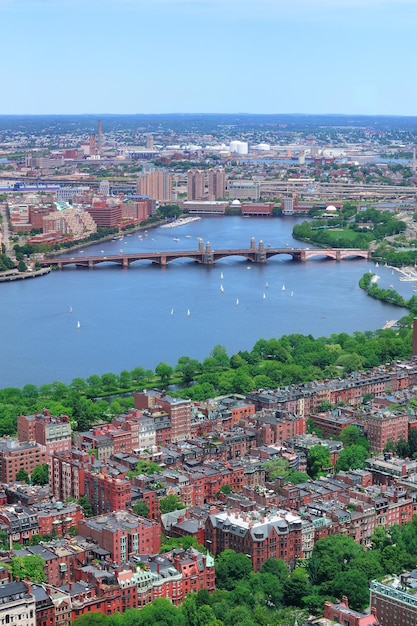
column 85, row 504
column 187, row 368
column 40, row 474
column 296, row 587
column 164, row 371
column 141, row 508
column 318, row 461
column 31, row 567
column 276, row 468
column 231, row 567
column 353, row 584
column 277, row 567
column 170, row 503
column 352, row 457
column 22, row 476
column 333, row 554
column 351, row 435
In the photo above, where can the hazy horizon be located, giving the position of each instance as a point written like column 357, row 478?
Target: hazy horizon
column 351, row 57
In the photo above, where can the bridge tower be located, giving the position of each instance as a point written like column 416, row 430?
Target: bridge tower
column 260, row 256
column 208, row 255
column 253, row 243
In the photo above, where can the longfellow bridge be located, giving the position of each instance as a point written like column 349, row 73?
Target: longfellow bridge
column 205, row 255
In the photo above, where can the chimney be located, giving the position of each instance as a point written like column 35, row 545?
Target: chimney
column 345, row 601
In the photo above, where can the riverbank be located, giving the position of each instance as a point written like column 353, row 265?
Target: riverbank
column 12, row 275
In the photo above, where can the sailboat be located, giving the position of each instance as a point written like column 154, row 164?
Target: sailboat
column 292, row 293
column 377, row 264
column 263, row 296
column 70, row 309
column 221, row 276
column 78, row 324
column 283, row 288
column 221, row 288
column 267, row 284
column 237, row 301
column 172, row 311
column 188, row 313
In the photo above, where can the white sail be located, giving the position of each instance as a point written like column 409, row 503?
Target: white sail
column 237, row 301
column 78, row 325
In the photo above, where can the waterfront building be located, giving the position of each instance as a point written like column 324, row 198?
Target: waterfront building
column 216, row 184
column 105, row 214
column 156, row 184
column 243, row 190
column 196, row 184
column 204, row 207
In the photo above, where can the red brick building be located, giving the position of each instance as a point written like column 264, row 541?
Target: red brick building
column 122, row 534
column 342, row 614
column 107, row 493
column 259, row 535
column 67, row 474
column 48, row 430
column 384, row 426
column 15, row 456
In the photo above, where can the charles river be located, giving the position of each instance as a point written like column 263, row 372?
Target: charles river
column 79, row 322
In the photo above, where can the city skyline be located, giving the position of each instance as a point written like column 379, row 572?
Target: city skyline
column 201, row 56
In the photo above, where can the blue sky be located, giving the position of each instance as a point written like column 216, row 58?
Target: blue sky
column 209, row 56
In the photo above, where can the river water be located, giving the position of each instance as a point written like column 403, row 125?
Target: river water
column 139, row 316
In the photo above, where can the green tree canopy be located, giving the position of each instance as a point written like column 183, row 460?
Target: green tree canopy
column 28, row 567
column 40, row 474
column 170, row 503
column 231, row 567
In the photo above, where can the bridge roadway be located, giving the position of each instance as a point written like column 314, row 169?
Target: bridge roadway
column 206, row 256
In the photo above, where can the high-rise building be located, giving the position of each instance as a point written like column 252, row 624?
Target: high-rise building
column 149, row 141
column 99, row 138
column 157, row 185
column 216, row 184
column 195, row 184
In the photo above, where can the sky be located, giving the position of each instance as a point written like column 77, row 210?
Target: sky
column 208, row 56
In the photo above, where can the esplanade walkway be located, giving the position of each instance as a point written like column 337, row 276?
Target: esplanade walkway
column 205, row 255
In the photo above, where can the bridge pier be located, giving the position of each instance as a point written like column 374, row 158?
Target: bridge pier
column 125, row 262
column 163, row 261
column 338, row 255
column 90, row 265
column 207, row 256
column 260, row 254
